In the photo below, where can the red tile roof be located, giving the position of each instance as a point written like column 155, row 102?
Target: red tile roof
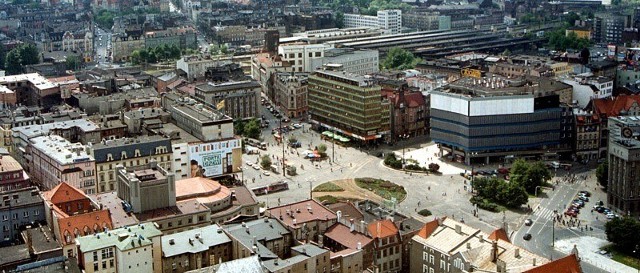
column 428, row 228
column 83, row 224
column 64, row 193
column 302, row 212
column 568, row 264
column 499, row 234
column 382, row 229
column 612, row 107
column 342, row 235
column 348, row 210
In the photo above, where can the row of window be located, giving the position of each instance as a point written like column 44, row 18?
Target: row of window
column 25, row 214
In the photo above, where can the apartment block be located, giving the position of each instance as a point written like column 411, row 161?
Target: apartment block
column 19, row 208
column 128, row 152
column 12, row 175
column 130, row 249
column 389, row 21
column 348, row 104
column 195, row 249
column 53, row 159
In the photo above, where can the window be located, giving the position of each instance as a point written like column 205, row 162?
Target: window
column 442, row 264
column 95, row 255
column 431, row 259
column 95, row 266
column 104, row 264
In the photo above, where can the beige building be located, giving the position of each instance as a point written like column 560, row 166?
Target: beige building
column 128, row 152
column 291, row 93
column 445, row 245
column 135, row 248
column 53, row 159
column 305, row 219
column 195, row 249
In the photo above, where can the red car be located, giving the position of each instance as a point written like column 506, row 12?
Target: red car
column 571, row 213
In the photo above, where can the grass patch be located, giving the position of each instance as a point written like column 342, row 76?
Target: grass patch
column 329, row 199
column 383, row 188
column 621, row 257
column 411, row 161
column 486, row 204
column 424, row 212
column 327, row 187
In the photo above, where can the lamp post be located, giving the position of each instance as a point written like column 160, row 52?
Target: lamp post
column 402, row 137
column 241, row 175
column 536, row 191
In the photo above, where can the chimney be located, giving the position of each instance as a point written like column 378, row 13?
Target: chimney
column 294, row 222
column 359, row 246
column 255, row 240
column 517, row 253
column 439, row 221
column 362, row 226
column 320, row 241
column 534, row 261
column 378, row 229
column 468, row 245
column 481, row 239
column 458, row 229
column 339, row 213
column 494, row 251
column 247, row 229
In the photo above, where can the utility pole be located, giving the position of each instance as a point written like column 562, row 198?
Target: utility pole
column 553, row 236
column 333, row 145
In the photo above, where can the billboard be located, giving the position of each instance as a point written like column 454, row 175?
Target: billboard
column 212, row 158
column 611, row 51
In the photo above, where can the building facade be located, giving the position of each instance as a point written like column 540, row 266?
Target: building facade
column 350, row 104
column 291, row 93
column 624, row 155
column 299, row 55
column 389, row 21
column 53, row 159
column 195, row 249
column 132, row 249
column 12, row 175
column 475, row 123
column 359, row 62
column 19, row 208
column 237, row 99
column 129, row 152
column 146, row 187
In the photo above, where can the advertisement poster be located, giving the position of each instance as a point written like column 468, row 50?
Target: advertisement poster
column 210, row 159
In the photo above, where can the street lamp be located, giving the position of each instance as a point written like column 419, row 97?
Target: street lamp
column 536, row 191
column 403, row 136
column 241, row 175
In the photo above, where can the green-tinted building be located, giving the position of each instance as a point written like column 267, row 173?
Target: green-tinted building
column 349, row 104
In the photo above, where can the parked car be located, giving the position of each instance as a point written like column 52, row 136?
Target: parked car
column 296, row 144
column 266, row 173
column 528, row 222
column 527, row 236
column 255, row 167
column 571, row 213
column 588, row 194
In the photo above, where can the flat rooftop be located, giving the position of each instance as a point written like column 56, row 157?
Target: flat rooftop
column 35, row 79
column 31, row 131
column 61, row 150
column 489, row 86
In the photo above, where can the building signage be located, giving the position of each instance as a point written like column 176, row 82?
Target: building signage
column 211, row 158
column 469, row 72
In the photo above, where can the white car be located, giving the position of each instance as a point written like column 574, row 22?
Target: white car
column 249, row 164
column 256, row 167
column 266, row 173
column 297, row 125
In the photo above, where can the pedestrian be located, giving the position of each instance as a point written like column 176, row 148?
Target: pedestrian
column 418, row 203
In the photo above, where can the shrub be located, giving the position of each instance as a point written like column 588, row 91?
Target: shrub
column 424, row 212
column 328, row 187
column 434, row 167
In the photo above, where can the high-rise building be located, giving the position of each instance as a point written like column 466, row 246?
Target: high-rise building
column 348, row 104
column 389, row 21
column 623, row 190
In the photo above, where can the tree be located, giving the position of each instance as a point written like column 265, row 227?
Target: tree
column 515, row 196
column 510, row 194
column 29, row 54
column 73, row 62
column 528, row 175
column 571, row 18
column 602, row 174
column 13, row 62
column 238, row 127
column 339, row 19
column 322, row 150
column 623, row 233
column 265, row 162
column 398, row 58
column 252, row 129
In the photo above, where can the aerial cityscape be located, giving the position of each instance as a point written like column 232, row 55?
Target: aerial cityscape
column 320, row 136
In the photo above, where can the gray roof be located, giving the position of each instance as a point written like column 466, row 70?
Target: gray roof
column 309, row 250
column 42, row 240
column 122, row 238
column 245, row 265
column 264, row 230
column 13, row 254
column 279, row 264
column 32, row 131
column 225, row 86
column 193, row 241
column 25, row 197
column 146, row 145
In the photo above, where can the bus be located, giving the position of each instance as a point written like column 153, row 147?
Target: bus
column 273, row 187
column 255, row 143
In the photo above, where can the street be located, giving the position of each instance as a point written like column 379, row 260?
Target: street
column 102, row 45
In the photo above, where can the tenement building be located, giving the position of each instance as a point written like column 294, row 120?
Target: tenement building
column 484, row 120
column 128, row 152
column 348, row 104
column 623, row 191
column 237, row 99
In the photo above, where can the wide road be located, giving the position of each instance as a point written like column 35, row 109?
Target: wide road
column 543, row 223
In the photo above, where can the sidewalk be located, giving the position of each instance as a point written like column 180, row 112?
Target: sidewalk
column 587, row 251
